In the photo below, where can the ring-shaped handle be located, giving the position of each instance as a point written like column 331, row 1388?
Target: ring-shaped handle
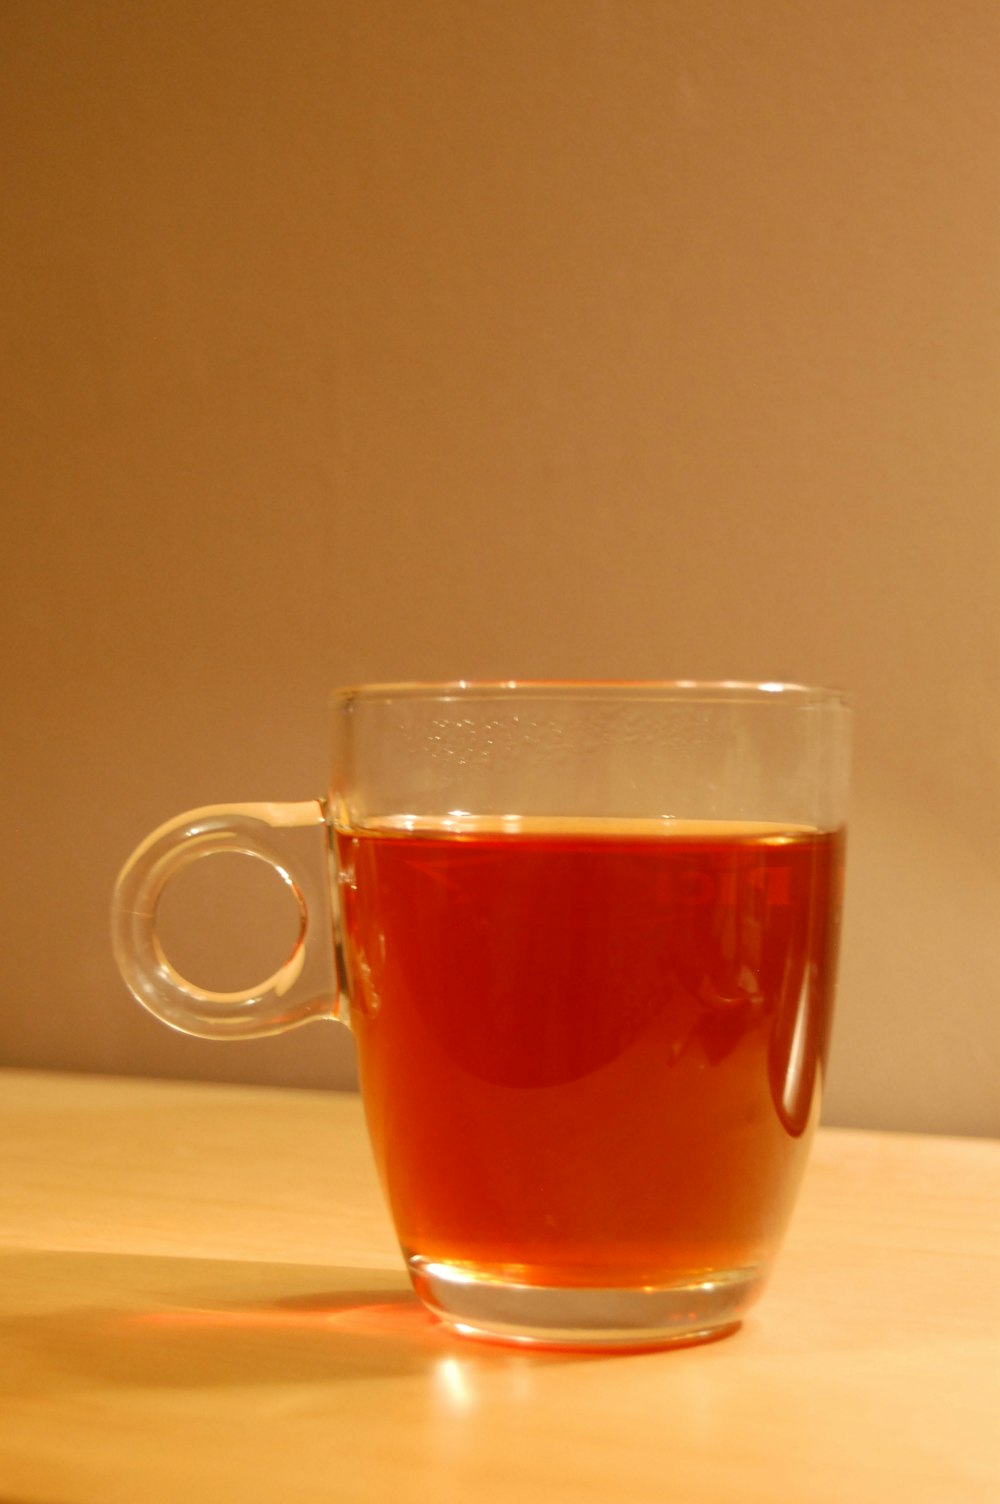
column 301, row 989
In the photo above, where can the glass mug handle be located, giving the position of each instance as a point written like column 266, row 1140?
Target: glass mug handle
column 301, row 989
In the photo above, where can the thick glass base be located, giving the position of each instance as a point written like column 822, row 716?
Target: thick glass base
column 582, row 1317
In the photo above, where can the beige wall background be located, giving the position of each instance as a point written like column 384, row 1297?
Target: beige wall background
column 436, row 338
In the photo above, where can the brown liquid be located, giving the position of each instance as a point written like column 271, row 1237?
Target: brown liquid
column 590, row 1052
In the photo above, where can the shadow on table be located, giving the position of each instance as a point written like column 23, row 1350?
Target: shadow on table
column 71, row 1320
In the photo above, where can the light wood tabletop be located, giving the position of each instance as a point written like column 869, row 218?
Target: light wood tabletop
column 202, row 1299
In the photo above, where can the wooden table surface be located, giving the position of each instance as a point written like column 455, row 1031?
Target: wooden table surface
column 202, row 1300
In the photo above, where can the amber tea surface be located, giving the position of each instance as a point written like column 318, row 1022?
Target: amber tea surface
column 591, row 1050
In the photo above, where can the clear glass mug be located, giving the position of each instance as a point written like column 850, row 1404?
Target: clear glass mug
column 585, row 936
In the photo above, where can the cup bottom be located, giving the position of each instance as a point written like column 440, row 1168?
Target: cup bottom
column 702, row 1309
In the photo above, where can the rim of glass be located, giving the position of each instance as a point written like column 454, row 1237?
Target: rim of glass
column 734, row 691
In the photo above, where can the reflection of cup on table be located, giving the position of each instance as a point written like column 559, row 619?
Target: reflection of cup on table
column 588, row 938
